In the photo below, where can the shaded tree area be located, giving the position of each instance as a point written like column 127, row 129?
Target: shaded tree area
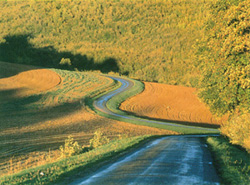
column 17, row 49
column 224, row 55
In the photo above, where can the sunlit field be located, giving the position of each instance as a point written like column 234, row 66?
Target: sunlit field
column 40, row 108
column 173, row 103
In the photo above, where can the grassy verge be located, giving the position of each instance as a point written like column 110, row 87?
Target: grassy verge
column 81, row 164
column 232, row 162
column 114, row 103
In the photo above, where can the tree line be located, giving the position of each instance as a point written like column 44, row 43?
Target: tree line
column 224, row 57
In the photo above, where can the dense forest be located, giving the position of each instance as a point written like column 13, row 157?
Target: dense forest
column 204, row 44
column 147, row 40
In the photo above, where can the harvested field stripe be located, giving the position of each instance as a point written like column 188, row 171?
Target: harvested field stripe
column 169, row 103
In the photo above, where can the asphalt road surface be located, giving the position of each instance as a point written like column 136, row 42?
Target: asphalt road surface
column 182, row 160
column 178, row 160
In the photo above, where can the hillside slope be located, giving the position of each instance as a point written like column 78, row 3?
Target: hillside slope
column 40, row 108
column 169, row 102
column 147, row 40
column 27, row 81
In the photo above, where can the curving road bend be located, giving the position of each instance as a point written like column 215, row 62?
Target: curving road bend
column 171, row 160
column 174, row 160
column 100, row 104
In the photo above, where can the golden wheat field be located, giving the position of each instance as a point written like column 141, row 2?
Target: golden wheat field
column 170, row 102
column 40, row 108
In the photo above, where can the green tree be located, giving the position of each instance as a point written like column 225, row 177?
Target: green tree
column 224, row 56
column 65, row 62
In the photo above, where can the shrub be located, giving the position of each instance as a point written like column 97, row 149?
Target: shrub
column 238, row 130
column 65, row 62
column 98, row 139
column 70, row 148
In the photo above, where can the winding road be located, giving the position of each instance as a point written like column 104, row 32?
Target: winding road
column 169, row 160
column 101, row 105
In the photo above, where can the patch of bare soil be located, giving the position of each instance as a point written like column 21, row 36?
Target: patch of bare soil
column 169, row 102
column 27, row 80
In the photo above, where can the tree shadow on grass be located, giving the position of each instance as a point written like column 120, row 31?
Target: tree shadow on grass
column 16, row 111
column 17, row 49
column 22, row 119
column 9, row 69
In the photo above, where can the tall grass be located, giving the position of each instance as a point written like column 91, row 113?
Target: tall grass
column 232, row 162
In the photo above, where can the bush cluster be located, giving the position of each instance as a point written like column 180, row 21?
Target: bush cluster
column 238, row 130
column 224, row 55
column 98, row 140
column 72, row 147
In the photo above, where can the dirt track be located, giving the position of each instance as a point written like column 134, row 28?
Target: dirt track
column 170, row 102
